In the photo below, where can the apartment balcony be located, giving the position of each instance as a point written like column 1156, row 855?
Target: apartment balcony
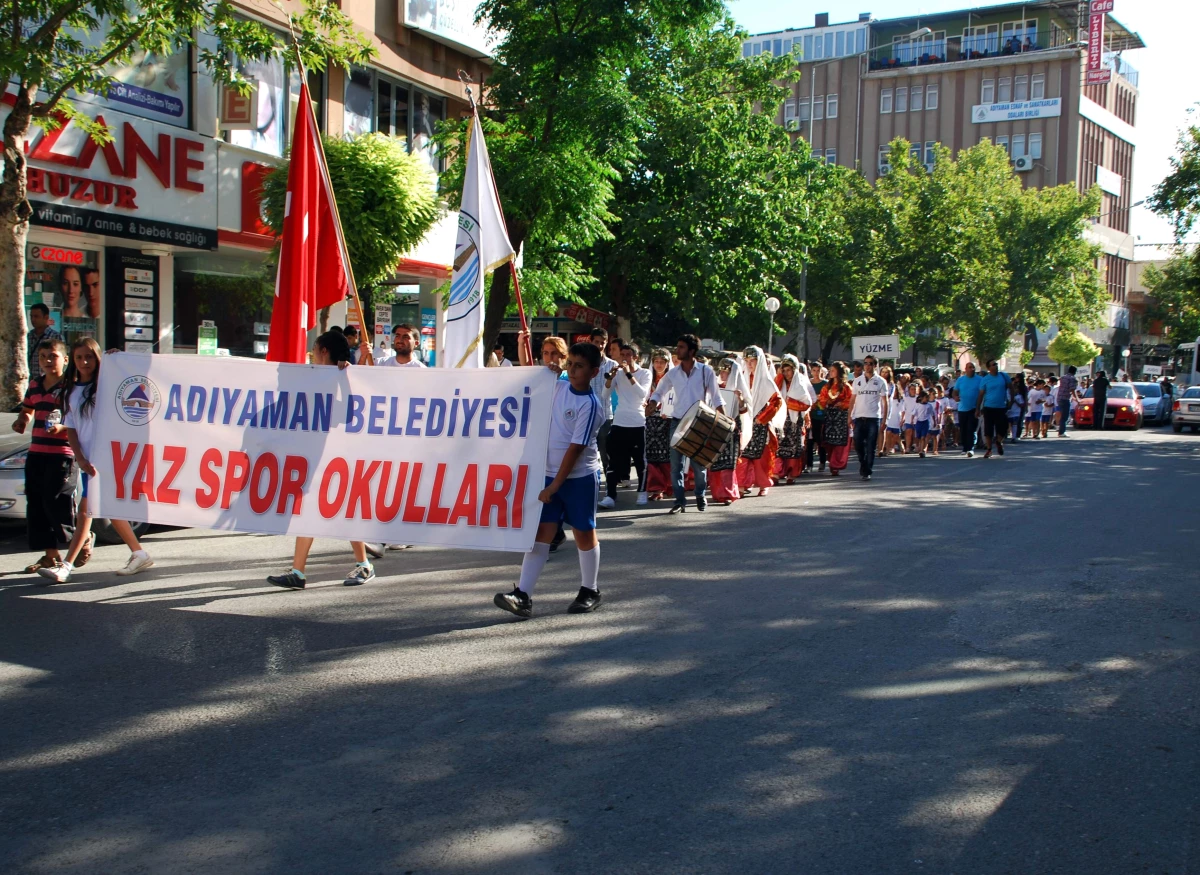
column 958, row 49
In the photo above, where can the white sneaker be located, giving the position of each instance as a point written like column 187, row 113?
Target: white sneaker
column 374, row 550
column 607, row 503
column 138, row 561
column 60, row 573
column 641, row 499
column 398, row 546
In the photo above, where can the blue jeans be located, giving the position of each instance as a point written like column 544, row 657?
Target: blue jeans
column 1064, row 414
column 677, row 479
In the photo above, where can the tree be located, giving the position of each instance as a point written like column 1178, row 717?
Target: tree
column 1070, row 348
column 711, row 214
column 559, row 118
column 56, row 48
column 1176, row 301
column 1178, row 196
column 386, row 200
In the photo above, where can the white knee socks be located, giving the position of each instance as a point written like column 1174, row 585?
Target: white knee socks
column 589, row 567
column 532, row 565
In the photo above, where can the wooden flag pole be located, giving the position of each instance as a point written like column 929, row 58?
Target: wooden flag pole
column 366, row 356
column 466, row 79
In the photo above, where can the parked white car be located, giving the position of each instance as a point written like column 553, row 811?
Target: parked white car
column 1186, row 410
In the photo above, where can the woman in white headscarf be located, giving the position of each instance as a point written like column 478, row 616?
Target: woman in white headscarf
column 798, row 396
column 722, row 476
column 758, row 457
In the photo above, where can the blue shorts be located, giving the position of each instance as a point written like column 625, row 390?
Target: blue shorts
column 935, row 431
column 83, row 484
column 891, row 430
column 923, row 428
column 574, row 503
column 1035, row 417
column 908, row 426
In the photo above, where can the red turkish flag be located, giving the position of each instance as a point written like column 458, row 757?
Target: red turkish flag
column 314, row 268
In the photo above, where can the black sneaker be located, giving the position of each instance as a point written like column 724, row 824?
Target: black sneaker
column 586, row 602
column 678, row 508
column 515, row 602
column 559, row 537
column 289, row 580
column 701, row 503
column 359, row 575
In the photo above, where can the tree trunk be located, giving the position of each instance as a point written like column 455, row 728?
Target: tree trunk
column 14, row 222
column 827, row 349
column 500, row 290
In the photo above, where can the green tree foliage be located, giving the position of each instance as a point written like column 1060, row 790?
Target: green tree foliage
column 53, row 49
column 711, row 210
column 1070, row 348
column 1176, row 296
column 561, row 128
column 1178, row 196
column 385, row 196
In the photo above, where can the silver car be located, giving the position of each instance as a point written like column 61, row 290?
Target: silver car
column 1187, row 410
column 1156, row 407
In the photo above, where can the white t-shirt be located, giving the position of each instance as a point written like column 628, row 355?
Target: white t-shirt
column 505, row 363
column 893, row 418
column 910, row 407
column 924, row 411
column 1037, row 398
column 631, row 398
column 576, row 418
column 394, row 362
column 950, row 405
column 84, row 422
column 1048, row 404
column 1018, row 402
column 869, row 395
column 935, row 420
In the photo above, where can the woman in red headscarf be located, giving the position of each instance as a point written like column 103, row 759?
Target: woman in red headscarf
column 757, row 464
column 837, row 399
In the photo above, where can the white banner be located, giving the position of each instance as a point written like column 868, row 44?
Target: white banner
column 447, row 457
column 882, row 346
column 1051, row 107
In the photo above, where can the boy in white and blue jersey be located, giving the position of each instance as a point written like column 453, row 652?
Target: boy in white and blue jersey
column 572, row 477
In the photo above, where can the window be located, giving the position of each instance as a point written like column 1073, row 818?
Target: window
column 818, row 47
column 818, row 108
column 884, row 153
column 392, row 104
column 885, row 100
column 860, row 38
column 1037, row 90
column 929, row 153
column 831, row 105
column 829, row 45
column 1002, row 142
column 1004, row 92
column 747, row 48
column 840, row 47
column 804, row 109
column 376, row 103
column 931, row 97
column 831, row 156
column 778, row 47
column 808, row 46
column 1018, row 146
column 360, row 103
column 918, row 97
column 789, row 111
column 901, row 100
column 987, row 94
column 981, row 40
column 1021, row 88
column 914, row 152
column 1035, row 146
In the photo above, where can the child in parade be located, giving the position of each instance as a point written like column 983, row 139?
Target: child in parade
column 79, row 426
column 658, row 432
column 330, row 348
column 572, row 466
column 892, row 439
column 1048, row 406
column 922, row 416
column 50, row 472
column 935, row 419
column 1037, row 400
column 909, row 411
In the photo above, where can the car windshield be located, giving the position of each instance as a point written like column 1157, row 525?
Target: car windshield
column 1150, row 390
column 1124, row 391
column 1193, row 392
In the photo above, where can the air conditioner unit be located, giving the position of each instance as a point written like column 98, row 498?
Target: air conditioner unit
column 792, row 124
column 1023, row 164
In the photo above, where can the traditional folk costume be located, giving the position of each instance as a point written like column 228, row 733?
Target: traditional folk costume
column 758, row 457
column 723, row 475
column 836, row 435
column 799, row 397
column 658, row 446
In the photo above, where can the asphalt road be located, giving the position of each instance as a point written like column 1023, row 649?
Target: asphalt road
column 961, row 667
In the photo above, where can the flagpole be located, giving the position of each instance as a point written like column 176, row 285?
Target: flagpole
column 465, row 79
column 337, row 218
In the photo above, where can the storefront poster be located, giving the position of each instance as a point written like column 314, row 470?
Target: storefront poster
column 429, row 335
column 431, row 456
column 67, row 280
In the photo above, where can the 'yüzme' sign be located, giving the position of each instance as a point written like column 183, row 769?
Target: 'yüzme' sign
column 451, row 457
column 883, row 346
column 1003, row 112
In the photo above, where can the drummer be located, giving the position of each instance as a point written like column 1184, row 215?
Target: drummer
column 692, row 383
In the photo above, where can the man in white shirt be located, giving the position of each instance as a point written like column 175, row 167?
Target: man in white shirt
column 627, row 437
column 599, row 338
column 691, row 381
column 870, row 406
column 501, row 361
column 405, row 338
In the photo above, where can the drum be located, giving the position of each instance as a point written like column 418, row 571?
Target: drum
column 702, row 434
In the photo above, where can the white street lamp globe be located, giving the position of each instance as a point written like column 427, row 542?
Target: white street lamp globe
column 772, row 305
column 1124, row 352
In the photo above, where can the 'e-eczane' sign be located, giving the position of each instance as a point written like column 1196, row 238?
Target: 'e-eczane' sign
column 883, row 346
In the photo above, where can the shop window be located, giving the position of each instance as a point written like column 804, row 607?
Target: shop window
column 374, row 102
column 68, row 281
column 234, row 291
column 276, row 109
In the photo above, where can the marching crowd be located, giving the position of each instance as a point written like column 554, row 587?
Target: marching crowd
column 612, row 419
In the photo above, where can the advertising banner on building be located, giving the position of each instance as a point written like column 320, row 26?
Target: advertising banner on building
column 1095, row 41
column 1021, row 109
column 413, row 456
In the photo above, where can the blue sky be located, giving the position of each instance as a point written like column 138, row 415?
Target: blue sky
column 1168, row 81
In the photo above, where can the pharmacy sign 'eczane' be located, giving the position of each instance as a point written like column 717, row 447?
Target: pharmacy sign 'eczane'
column 1021, row 109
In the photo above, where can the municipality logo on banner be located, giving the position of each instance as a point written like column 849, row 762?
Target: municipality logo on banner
column 482, row 247
column 137, row 400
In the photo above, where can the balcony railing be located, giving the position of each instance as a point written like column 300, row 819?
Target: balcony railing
column 955, row 48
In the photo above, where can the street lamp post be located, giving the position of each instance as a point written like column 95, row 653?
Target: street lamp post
column 772, row 305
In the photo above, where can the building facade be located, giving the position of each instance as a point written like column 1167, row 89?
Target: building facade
column 155, row 242
column 1013, row 74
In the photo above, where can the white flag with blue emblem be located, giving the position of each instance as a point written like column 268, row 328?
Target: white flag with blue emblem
column 482, row 247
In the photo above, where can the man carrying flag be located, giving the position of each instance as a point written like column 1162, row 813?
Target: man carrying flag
column 482, row 247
